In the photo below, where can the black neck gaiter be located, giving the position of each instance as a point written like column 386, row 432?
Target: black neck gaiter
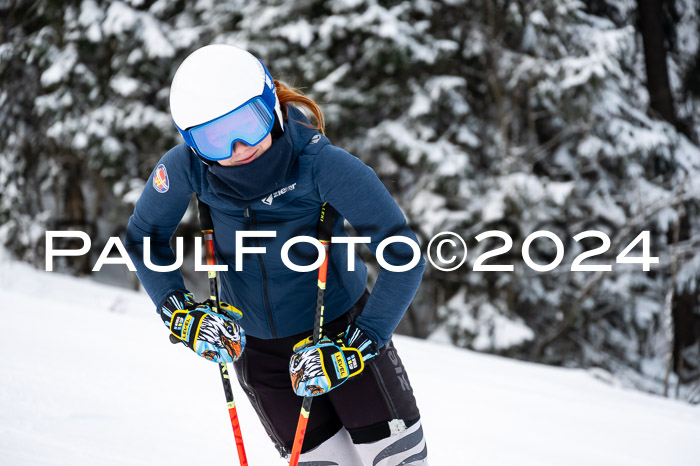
column 252, row 181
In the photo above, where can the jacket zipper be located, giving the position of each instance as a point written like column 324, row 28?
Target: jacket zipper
column 268, row 306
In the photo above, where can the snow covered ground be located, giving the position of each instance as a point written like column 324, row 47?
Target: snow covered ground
column 88, row 377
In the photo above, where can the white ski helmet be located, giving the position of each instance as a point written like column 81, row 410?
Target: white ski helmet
column 215, row 80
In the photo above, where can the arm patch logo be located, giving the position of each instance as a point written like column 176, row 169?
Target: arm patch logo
column 160, row 179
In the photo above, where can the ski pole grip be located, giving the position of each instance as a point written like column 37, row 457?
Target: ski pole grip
column 325, row 222
column 205, row 221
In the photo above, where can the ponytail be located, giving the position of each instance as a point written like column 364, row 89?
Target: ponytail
column 291, row 95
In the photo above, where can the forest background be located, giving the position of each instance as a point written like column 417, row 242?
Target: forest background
column 478, row 115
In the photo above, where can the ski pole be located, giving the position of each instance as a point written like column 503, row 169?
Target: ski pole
column 325, row 231
column 208, row 233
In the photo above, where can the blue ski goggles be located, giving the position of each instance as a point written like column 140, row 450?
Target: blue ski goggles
column 249, row 123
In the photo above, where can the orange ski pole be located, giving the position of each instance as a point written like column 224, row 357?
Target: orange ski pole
column 325, row 231
column 208, row 232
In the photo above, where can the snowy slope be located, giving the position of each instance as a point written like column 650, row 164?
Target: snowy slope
column 88, row 377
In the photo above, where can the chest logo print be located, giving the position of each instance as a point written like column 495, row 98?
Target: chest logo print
column 268, row 200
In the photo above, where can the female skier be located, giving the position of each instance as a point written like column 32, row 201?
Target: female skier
column 253, row 157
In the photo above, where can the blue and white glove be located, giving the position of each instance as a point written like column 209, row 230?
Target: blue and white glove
column 354, row 337
column 318, row 369
column 214, row 336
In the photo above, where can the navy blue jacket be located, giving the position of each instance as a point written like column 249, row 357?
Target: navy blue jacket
column 276, row 301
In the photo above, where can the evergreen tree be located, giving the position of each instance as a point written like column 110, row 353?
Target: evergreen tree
column 477, row 115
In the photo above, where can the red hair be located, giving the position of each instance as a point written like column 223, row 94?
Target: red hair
column 292, row 95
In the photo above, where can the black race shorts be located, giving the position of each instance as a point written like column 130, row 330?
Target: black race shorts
column 364, row 405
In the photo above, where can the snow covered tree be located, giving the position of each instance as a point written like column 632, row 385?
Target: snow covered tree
column 85, row 112
column 517, row 117
column 477, row 115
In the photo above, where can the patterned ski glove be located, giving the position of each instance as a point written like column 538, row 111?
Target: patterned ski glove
column 354, row 337
column 216, row 337
column 318, row 369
